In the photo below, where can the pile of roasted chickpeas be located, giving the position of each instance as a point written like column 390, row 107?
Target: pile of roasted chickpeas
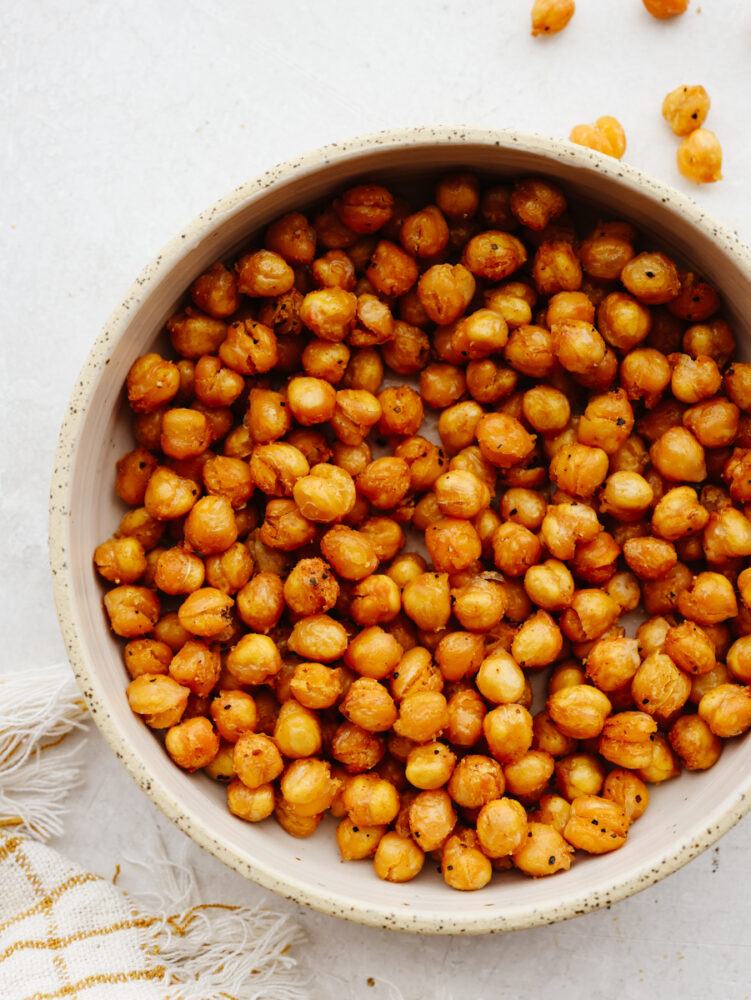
column 327, row 610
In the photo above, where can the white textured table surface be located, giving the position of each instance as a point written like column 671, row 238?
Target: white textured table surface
column 121, row 121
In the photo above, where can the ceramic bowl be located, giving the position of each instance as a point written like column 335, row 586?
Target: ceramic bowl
column 686, row 815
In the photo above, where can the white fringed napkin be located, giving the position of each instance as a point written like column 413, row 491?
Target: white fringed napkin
column 65, row 932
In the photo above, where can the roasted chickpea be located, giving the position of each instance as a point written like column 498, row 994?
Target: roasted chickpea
column 508, row 731
column 677, row 455
column 550, row 585
column 210, row 526
column 151, row 382
column 158, row 698
column 529, row 350
column 589, row 616
column 445, row 291
column 121, row 560
column 606, row 135
column 365, row 208
column 397, row 858
column 700, row 157
column 536, row 202
column 132, row 611
column 596, row 825
column 326, row 494
column 726, row 709
column 463, row 864
column 710, row 600
column 695, row 743
column 538, row 641
column 234, row 714
column 543, row 851
column 579, row 711
column 713, row 422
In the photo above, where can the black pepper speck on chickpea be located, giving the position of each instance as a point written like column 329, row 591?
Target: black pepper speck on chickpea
column 553, row 411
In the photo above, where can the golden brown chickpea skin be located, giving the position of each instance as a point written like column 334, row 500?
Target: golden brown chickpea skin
column 660, row 597
column 375, row 600
column 546, row 409
column 726, row 709
column 120, row 560
column 210, row 526
column 625, row 590
column 628, row 790
column 133, row 473
column 334, row 269
column 549, row 585
column 358, row 842
column 425, row 460
column 479, row 604
column 169, row 496
column 606, row 136
column 652, row 278
column 264, row 274
column 714, row 339
column 427, row 601
column 147, row 428
column 460, row 493
column 685, row 108
column 281, row 313
column 364, row 208
column 596, row 825
column 700, row 157
column 696, row 745
column 284, row 527
column 147, row 656
column 384, row 482
column 503, row 440
column 714, row 422
column 649, row 558
column 193, row 334
column 577, row 345
column 151, row 383
column 547, row 737
column 632, row 456
column 431, row 818
column 132, row 611
column 373, row 652
column 589, row 616
column 659, row 687
column 494, row 255
column 726, row 536
column 297, row 732
column 607, row 421
column 206, row 612
column 536, row 202
column 457, row 195
column 543, row 851
column 553, row 810
column 457, row 425
column 424, row 233
column 391, row 270
column 737, row 473
column 710, row 600
column 402, row 411
column 612, row 663
column 453, row 544
column 626, row 496
column 463, row 864
column 551, row 16
column 694, row 379
column 445, row 291
column 351, row 553
column 623, row 321
column 515, row 549
column 268, row 418
column 158, row 698
column 331, row 232
column 250, row 348
column 397, row 858
column 408, row 350
column 292, row 238
column 739, row 659
column 442, row 385
column 355, row 413
column 529, row 777
column 311, row 587
column 215, row 292
column 385, row 534
column 429, row 767
column 645, row 374
column 579, row 711
column 179, row 571
column 677, row 455
column 579, row 469
column 564, row 306
column 311, row 400
column 329, row 313
column 679, row 513
column 326, row 494
column 257, row 760
column 607, row 249
column 579, row 774
column 234, row 714
column 697, row 301
column 530, row 351
column 508, row 732
column 308, row 787
column 376, row 322
column 192, row 744
column 556, row 268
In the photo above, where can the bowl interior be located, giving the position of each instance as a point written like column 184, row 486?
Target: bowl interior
column 685, row 815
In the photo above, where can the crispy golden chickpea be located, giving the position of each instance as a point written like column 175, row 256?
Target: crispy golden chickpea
column 577, row 345
column 556, row 268
column 528, row 778
column 422, row 716
column 500, row 679
column 352, row 457
column 210, row 526
column 292, row 238
column 193, row 334
column 679, row 513
column 384, row 482
column 316, row 686
column 461, row 494
column 311, row 400
column 308, row 786
column 508, row 731
column 408, row 350
column 579, row 774
column 549, row 585
column 579, row 469
column 547, row 409
column 645, row 374
column 133, row 473
column 457, row 425
column 551, row 16
column 626, row 495
column 196, row 666
column 268, row 417
column 652, row 278
column 370, row 800
column 458, row 195
column 147, row 656
column 373, row 653
column 549, row 738
column 713, row 422
column 351, row 553
column 326, row 494
column 463, row 864
column 356, row 411
column 565, row 306
column 623, row 321
column 659, row 687
column 482, row 333
column 700, row 157
column 222, row 767
column 281, row 313
column 284, row 527
column 329, row 313
column 405, row 568
column 694, row 379
column 607, row 249
column 612, row 663
column 254, row 659
column 264, row 274
column 494, row 255
column 543, row 851
column 357, row 842
column 596, row 825
column 250, row 348
column 529, row 350
column 356, row 748
column 230, row 478
column 250, row 804
column 536, row 202
column 192, row 744
column 429, row 766
column 710, row 600
column 334, row 270
column 375, row 600
column 727, row 535
column 445, row 291
column 234, row 714
column 426, row 461
column 606, row 136
column 685, row 109
column 169, row 496
column 293, row 822
column 158, row 698
column 553, row 810
column 538, row 641
column 664, row 763
column 579, row 711
column 503, row 440
column 390, row 270
column 151, row 382
column 714, row 339
column 169, row 630
column 365, row 208
column 628, row 791
column 442, row 385
column 397, row 859
column 297, row 732
column 415, row 672
column 589, row 616
column 424, row 233
column 695, row 743
column 459, row 654
column 311, row 587
column 120, row 560
column 369, row 705
column 132, row 611
column 261, row 601
column 401, row 411
column 625, row 590
column 649, row 558
column 662, row 9
column 453, row 544
column 431, row 818
column 726, row 709
column 677, row 455
column 697, row 301
column 385, row 534
column 479, row 604
column 257, row 760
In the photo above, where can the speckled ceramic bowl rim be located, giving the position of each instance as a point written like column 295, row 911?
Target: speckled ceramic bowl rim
column 283, row 883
